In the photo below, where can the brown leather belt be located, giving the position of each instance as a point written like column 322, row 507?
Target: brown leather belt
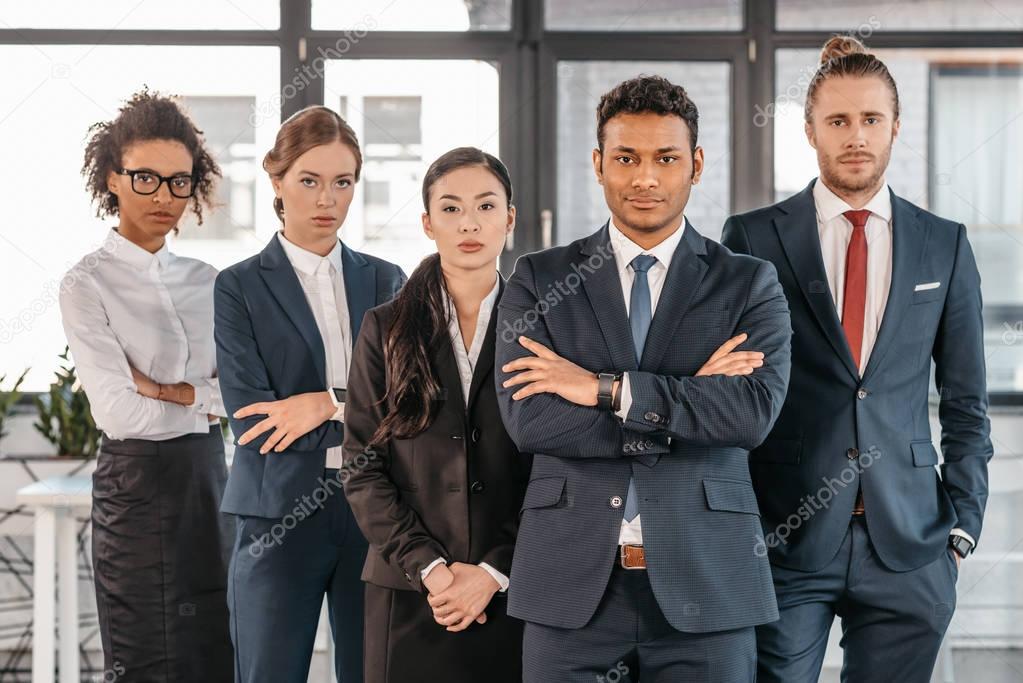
column 858, row 507
column 631, row 557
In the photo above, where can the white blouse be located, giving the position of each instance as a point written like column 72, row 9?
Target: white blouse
column 122, row 305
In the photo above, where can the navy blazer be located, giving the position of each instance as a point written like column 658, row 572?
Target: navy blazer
column 269, row 348
column 838, row 430
column 686, row 439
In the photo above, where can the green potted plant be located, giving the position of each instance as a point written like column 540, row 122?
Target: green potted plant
column 8, row 398
column 65, row 419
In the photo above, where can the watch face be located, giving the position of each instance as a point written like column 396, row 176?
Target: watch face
column 339, row 394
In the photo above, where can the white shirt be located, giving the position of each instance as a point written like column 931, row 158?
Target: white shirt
column 835, row 231
column 466, row 360
column 324, row 287
column 625, row 250
column 124, row 307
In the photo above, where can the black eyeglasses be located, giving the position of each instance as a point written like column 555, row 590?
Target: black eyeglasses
column 146, row 182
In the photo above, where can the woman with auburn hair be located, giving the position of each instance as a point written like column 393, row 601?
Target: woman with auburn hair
column 286, row 321
column 439, row 500
column 139, row 323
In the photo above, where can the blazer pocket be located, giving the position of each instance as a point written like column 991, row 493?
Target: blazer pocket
column 781, row 451
column 731, row 495
column 925, row 295
column 544, row 492
column 924, row 454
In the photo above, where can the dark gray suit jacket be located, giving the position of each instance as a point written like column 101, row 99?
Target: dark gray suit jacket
column 686, row 440
column 933, row 312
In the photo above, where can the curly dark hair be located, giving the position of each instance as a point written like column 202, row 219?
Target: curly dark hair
column 647, row 94
column 146, row 116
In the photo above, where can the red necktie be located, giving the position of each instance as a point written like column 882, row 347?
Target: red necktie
column 855, row 302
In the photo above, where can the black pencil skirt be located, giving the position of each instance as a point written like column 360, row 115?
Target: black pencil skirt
column 405, row 645
column 160, row 550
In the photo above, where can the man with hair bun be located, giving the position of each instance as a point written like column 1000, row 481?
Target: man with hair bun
column 858, row 522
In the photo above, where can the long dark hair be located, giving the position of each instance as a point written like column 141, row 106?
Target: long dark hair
column 420, row 320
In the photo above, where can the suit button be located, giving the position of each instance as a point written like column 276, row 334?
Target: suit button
column 477, row 487
column 861, row 394
column 650, row 415
column 616, row 502
column 475, row 434
column 407, row 576
column 852, row 454
column 649, row 444
column 641, row 445
column 627, row 448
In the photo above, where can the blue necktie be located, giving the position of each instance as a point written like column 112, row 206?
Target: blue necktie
column 639, row 319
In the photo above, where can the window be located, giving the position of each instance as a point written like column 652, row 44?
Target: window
column 51, row 99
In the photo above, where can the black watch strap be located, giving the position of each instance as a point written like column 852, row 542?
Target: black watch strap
column 960, row 544
column 605, row 385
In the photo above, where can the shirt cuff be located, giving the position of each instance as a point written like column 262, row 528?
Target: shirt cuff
column 960, row 532
column 501, row 579
column 429, row 567
column 626, row 403
column 203, row 403
column 339, row 414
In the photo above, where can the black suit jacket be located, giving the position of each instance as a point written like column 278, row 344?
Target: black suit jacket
column 686, row 439
column 838, row 430
column 453, row 491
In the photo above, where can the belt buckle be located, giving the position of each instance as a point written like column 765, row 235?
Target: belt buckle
column 621, row 559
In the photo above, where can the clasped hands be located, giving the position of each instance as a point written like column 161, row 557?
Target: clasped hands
column 459, row 593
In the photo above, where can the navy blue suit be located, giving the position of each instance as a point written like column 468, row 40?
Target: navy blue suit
column 888, row 574
column 686, row 441
column 296, row 537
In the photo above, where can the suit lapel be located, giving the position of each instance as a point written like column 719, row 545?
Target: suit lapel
column 681, row 283
column 282, row 281
column 909, row 242
column 797, row 231
column 603, row 288
column 360, row 278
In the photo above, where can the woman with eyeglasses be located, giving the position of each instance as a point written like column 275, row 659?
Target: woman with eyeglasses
column 139, row 322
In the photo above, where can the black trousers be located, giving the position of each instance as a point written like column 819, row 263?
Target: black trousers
column 405, row 645
column 892, row 622
column 628, row 640
column 160, row 549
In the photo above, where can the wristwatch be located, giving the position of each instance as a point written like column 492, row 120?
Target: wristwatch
column 605, row 385
column 337, row 397
column 961, row 545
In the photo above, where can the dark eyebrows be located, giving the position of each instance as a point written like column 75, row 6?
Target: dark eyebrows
column 146, row 169
column 660, row 150
column 456, row 198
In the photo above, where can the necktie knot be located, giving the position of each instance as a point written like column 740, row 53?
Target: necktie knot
column 643, row 262
column 858, row 217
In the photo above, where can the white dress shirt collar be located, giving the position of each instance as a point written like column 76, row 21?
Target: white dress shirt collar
column 625, row 249
column 482, row 321
column 830, row 205
column 136, row 256
column 307, row 261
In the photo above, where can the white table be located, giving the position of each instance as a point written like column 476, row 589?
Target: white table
column 55, row 501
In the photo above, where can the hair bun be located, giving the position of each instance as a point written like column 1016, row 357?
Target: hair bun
column 841, row 46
